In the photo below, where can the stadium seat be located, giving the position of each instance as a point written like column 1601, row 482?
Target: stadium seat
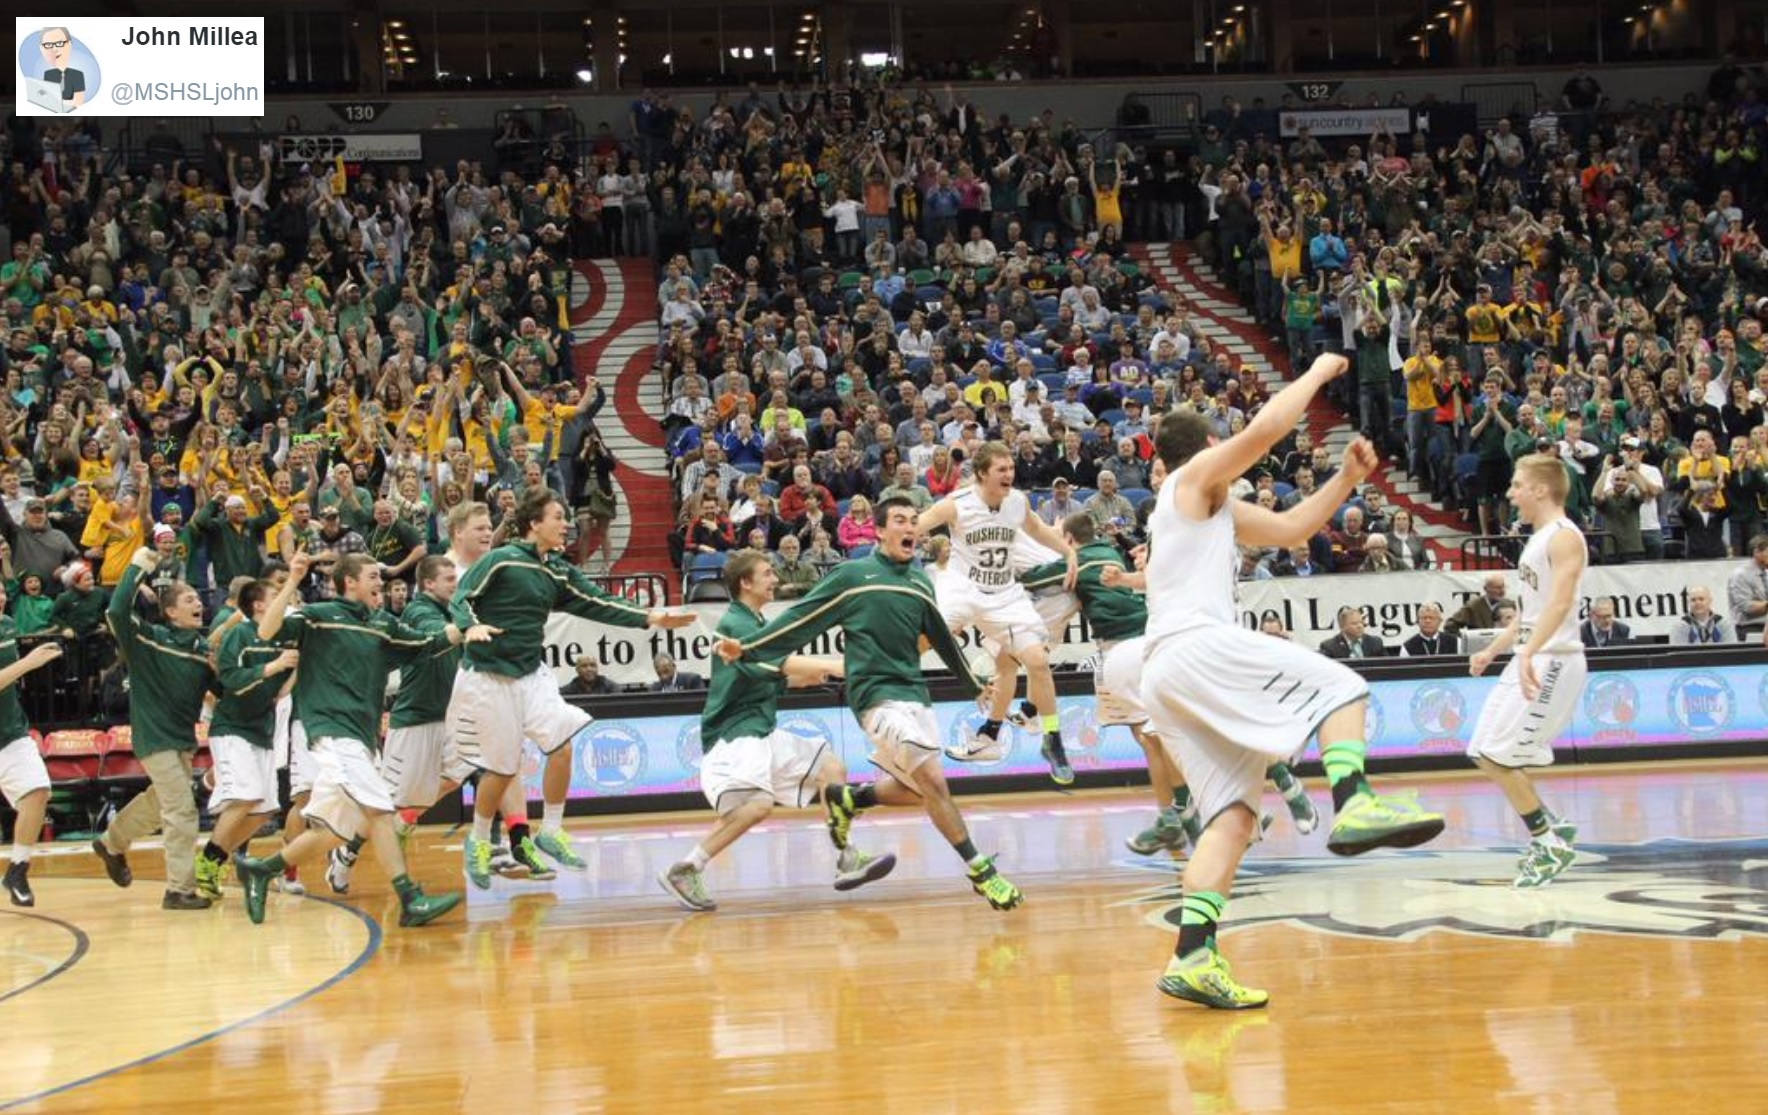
column 703, row 567
column 707, row 592
column 120, row 773
column 864, row 549
column 770, row 488
column 1044, row 363
column 922, row 277
column 75, row 758
column 1136, row 495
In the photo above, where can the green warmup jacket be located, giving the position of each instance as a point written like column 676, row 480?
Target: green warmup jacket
column 1113, row 614
column 743, row 700
column 883, row 608
column 169, row 673
column 513, row 588
column 427, row 682
column 347, row 651
column 247, row 707
column 13, row 725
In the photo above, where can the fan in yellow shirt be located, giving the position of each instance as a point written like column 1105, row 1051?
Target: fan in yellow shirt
column 117, row 524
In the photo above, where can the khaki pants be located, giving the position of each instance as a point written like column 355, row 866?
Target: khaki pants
column 169, row 804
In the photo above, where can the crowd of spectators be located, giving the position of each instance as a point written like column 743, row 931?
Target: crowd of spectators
column 228, row 356
column 1588, row 280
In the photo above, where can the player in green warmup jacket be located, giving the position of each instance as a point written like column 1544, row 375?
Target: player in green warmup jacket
column 169, row 674
column 420, row 761
column 24, row 778
column 505, row 694
column 254, row 674
column 751, row 764
column 885, row 607
column 348, row 647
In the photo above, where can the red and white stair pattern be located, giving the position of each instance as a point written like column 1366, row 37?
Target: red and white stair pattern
column 614, row 338
column 1218, row 314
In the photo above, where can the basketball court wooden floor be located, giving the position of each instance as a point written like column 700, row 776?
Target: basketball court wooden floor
column 1400, row 982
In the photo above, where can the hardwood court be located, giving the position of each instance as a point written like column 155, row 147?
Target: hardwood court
column 1400, row 982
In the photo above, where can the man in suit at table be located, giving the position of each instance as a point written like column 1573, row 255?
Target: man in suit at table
column 1602, row 629
column 1431, row 639
column 1352, row 641
column 672, row 680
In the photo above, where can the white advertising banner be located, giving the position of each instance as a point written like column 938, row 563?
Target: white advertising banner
column 387, row 148
column 1344, row 121
column 1648, row 598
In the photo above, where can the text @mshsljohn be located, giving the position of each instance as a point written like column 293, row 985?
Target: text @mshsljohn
column 148, row 94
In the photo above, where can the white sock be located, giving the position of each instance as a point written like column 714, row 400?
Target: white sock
column 552, row 817
column 481, row 827
column 698, row 859
column 21, row 853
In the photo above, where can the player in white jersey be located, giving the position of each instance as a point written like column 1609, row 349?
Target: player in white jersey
column 1540, row 689
column 978, row 590
column 1232, row 700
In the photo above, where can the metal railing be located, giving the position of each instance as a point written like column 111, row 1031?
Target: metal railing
column 647, row 590
column 1497, row 99
column 1168, row 115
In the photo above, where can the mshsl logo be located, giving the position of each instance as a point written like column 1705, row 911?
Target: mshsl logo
column 615, row 757
column 1701, row 702
column 1667, row 888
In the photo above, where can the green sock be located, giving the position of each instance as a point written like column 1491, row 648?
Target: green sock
column 1053, row 724
column 1198, row 914
column 1182, row 798
column 1344, row 770
column 276, row 865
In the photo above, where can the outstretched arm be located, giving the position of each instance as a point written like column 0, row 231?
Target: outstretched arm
column 1218, row 465
column 1258, row 526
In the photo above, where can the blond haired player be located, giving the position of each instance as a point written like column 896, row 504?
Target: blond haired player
column 1540, row 689
column 979, row 590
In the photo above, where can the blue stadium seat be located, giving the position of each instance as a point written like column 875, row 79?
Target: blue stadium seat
column 770, row 488
column 1136, row 495
column 1044, row 362
column 861, row 550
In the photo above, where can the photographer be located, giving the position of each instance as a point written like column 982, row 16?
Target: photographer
column 1647, row 482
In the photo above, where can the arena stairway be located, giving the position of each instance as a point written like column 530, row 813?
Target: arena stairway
column 1219, row 315
column 613, row 315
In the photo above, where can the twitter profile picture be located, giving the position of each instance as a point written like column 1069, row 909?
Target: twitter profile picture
column 59, row 72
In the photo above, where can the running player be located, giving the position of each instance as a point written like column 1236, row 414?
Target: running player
column 1232, row 700
column 885, row 608
column 170, row 676
column 1118, row 619
column 24, row 779
column 419, row 761
column 1540, row 689
column 470, row 535
column 348, row 647
column 504, row 693
column 986, row 518
column 750, row 764
column 254, row 675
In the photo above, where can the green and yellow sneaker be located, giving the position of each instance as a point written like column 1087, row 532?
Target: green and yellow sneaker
column 208, row 877
column 842, row 811
column 1370, row 821
column 557, row 844
column 417, row 908
column 478, row 862
column 992, row 885
column 527, row 853
column 1202, row 976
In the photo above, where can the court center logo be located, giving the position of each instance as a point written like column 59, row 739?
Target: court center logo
column 1692, row 889
column 615, row 757
column 1702, row 703
column 58, row 71
column 965, row 723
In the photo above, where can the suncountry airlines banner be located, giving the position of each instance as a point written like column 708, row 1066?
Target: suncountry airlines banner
column 1648, row 598
column 1344, row 121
